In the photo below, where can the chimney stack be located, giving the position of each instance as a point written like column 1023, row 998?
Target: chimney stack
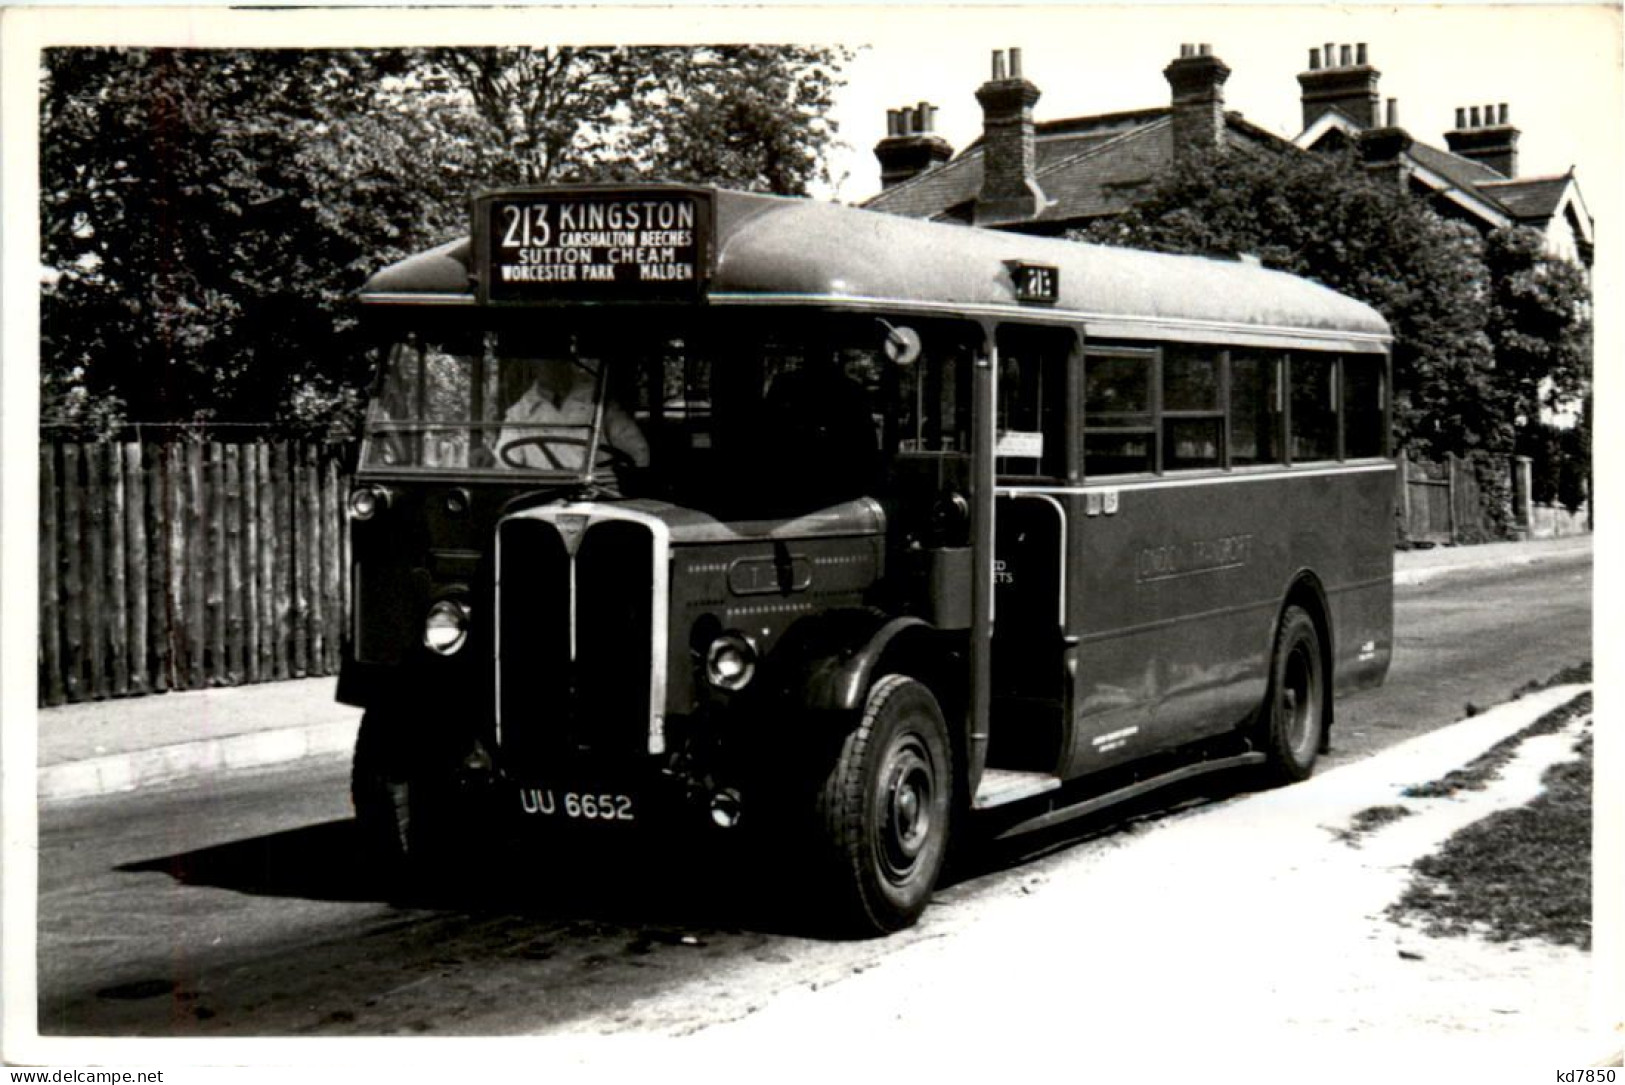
column 1196, row 84
column 1486, row 137
column 911, row 146
column 1010, row 191
column 1348, row 85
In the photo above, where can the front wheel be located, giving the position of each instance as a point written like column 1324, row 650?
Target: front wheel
column 394, row 799
column 884, row 808
column 1292, row 724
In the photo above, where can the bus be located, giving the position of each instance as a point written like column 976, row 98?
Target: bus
column 680, row 508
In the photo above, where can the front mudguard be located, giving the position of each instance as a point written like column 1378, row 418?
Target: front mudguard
column 824, row 665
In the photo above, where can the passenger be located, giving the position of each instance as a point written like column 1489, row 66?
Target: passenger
column 548, row 427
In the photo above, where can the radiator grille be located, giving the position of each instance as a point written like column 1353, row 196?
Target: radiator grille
column 583, row 692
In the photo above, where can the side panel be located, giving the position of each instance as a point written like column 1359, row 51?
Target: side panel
column 1176, row 587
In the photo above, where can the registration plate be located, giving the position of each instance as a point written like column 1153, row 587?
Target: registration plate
column 576, row 805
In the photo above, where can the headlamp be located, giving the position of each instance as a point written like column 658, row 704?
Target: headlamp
column 366, row 501
column 730, row 661
column 446, row 628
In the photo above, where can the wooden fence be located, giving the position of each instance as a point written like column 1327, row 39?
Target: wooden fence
column 186, row 565
column 1442, row 502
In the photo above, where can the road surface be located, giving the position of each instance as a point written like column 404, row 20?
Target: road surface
column 234, row 907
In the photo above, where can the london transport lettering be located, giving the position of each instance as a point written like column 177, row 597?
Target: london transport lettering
column 598, row 245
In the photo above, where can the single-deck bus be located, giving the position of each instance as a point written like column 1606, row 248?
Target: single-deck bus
column 679, row 503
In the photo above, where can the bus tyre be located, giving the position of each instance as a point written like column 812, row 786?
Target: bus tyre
column 884, row 808
column 392, row 819
column 1293, row 721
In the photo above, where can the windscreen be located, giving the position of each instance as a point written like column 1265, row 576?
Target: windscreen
column 733, row 412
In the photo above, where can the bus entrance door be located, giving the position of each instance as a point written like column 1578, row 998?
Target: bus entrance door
column 1031, row 691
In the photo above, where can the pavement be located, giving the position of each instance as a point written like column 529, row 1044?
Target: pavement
column 105, row 747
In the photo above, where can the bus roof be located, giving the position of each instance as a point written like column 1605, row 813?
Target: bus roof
column 772, row 249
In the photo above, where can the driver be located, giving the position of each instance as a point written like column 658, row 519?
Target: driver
column 557, row 412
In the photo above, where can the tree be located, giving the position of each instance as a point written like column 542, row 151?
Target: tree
column 1539, row 324
column 1326, row 218
column 190, row 275
column 208, row 215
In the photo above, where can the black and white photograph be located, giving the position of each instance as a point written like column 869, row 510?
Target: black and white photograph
column 760, row 542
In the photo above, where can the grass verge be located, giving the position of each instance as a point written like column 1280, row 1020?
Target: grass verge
column 1521, row 873
column 1478, row 772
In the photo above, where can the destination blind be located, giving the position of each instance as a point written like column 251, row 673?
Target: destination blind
column 644, row 246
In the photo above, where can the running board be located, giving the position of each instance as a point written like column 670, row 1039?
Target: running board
column 1056, row 816
column 1001, row 786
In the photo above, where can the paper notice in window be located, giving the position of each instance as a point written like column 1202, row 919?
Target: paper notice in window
column 1020, row 445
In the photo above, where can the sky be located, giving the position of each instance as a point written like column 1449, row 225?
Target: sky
column 1557, row 67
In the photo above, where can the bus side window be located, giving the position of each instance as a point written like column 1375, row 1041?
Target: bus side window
column 1314, row 406
column 1192, row 421
column 934, row 397
column 1032, row 403
column 1119, row 436
column 1364, row 418
column 1255, row 408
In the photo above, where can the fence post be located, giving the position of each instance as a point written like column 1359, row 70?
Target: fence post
column 73, row 573
column 332, row 558
column 316, row 650
column 197, row 557
column 1405, row 492
column 180, row 602
column 234, row 565
column 162, row 615
column 214, row 555
column 1523, row 515
column 50, row 564
column 250, row 552
column 1450, row 479
column 118, row 631
column 135, row 550
column 96, row 577
column 265, row 568
column 282, row 521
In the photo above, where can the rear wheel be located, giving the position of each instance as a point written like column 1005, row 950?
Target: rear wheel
column 1293, row 721
column 884, row 808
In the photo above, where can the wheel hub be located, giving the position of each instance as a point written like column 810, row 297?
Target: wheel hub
column 907, row 824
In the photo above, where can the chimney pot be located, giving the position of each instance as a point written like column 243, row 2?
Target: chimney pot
column 1009, row 191
column 1346, row 56
column 1486, row 137
column 1314, row 60
column 1330, row 62
column 1205, row 50
column 923, row 113
column 1360, row 53
column 1393, row 113
column 891, row 122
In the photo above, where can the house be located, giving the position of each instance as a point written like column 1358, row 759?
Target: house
column 1050, row 176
